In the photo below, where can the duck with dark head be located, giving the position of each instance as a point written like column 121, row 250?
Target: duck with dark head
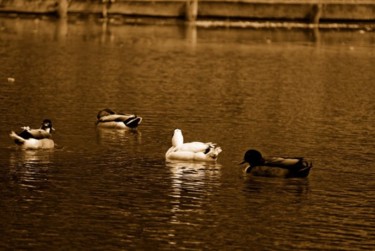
column 288, row 167
column 35, row 138
column 107, row 118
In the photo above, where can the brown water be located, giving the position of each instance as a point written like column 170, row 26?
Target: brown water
column 284, row 92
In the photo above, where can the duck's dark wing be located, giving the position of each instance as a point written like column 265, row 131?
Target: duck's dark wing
column 288, row 163
column 297, row 166
column 281, row 161
column 34, row 133
column 25, row 134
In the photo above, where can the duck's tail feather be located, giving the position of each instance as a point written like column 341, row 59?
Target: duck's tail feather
column 133, row 122
column 302, row 164
column 16, row 138
column 307, row 164
column 305, row 170
column 213, row 150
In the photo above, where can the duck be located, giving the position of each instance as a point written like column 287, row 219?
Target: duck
column 287, row 167
column 35, row 138
column 107, row 118
column 192, row 151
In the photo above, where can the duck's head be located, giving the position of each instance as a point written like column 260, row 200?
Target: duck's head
column 104, row 112
column 253, row 158
column 47, row 125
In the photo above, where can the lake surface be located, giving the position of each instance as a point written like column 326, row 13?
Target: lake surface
column 285, row 92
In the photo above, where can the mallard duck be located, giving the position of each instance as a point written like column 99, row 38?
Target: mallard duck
column 109, row 119
column 193, row 151
column 35, row 138
column 288, row 167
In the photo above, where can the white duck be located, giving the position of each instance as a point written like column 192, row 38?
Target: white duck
column 109, row 119
column 197, row 151
column 35, row 138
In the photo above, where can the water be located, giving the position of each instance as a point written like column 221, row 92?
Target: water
column 284, row 92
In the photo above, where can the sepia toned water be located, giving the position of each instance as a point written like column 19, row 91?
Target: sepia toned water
column 285, row 92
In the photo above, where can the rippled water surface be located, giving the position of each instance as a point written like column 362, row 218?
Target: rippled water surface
column 284, row 92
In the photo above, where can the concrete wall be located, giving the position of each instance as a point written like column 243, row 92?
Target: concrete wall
column 28, row 6
column 310, row 10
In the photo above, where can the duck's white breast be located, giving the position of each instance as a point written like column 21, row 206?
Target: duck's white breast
column 34, row 144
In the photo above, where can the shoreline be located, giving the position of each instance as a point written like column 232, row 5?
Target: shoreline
column 333, row 14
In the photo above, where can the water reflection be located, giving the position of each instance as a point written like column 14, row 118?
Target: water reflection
column 191, row 172
column 31, row 157
column 61, row 31
column 191, row 183
column 114, row 137
column 254, row 185
column 191, row 33
column 30, row 168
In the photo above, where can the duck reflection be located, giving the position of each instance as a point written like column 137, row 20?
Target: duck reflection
column 31, row 157
column 192, row 184
column 29, row 168
column 262, row 185
column 114, row 137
